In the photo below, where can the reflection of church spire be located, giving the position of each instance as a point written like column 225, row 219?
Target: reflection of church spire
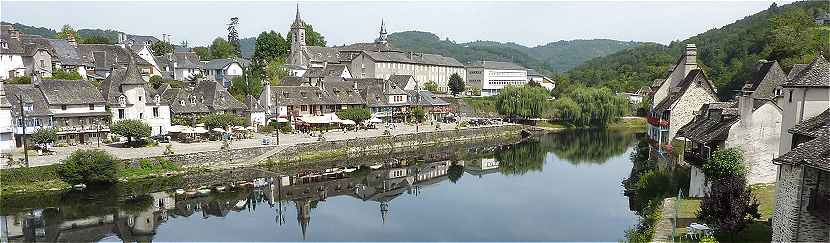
column 303, row 214
column 384, row 210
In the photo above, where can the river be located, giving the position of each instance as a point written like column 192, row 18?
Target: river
column 558, row 187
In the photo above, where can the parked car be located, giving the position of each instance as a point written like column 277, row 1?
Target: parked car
column 266, row 141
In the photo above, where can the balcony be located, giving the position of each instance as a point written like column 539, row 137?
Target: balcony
column 694, row 158
column 82, row 128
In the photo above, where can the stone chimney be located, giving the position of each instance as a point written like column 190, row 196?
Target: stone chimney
column 122, row 38
column 691, row 58
column 13, row 33
column 746, row 104
column 71, row 39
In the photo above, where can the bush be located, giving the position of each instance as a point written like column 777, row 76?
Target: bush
column 150, row 166
column 724, row 163
column 44, row 136
column 729, row 206
column 89, row 167
column 431, row 86
column 131, row 129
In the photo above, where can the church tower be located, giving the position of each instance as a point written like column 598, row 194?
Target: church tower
column 382, row 34
column 297, row 40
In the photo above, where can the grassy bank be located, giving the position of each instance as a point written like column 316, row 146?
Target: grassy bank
column 756, row 232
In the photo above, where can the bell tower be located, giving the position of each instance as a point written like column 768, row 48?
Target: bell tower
column 297, row 40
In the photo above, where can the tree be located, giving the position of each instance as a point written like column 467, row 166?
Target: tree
column 233, row 35
column 455, row 172
column 524, row 101
column 724, row 163
column 65, row 74
column 431, row 86
column 222, row 120
column 220, row 48
column 66, row 32
column 270, row 46
column 161, row 48
column 729, row 206
column 131, row 128
column 419, row 114
column 44, row 136
column 26, row 79
column 597, row 106
column 202, row 52
column 456, row 84
column 156, row 81
column 92, row 166
column 245, row 85
column 97, row 39
column 358, row 115
column 275, row 71
column 312, row 38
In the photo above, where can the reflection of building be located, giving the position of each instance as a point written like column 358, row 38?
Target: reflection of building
column 482, row 167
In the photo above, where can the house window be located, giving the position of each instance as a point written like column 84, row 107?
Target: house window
column 303, row 108
column 791, row 96
column 121, row 114
column 139, row 98
column 181, row 102
column 140, row 115
column 28, row 106
column 42, row 64
column 155, row 112
column 63, row 107
column 91, row 107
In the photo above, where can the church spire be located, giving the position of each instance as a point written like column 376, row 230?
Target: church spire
column 381, row 34
column 298, row 23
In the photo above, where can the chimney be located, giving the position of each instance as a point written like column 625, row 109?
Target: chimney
column 71, row 39
column 354, row 85
column 745, row 107
column 35, row 79
column 691, row 58
column 410, row 55
column 122, row 38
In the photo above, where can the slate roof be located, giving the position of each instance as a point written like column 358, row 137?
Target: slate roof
column 253, row 105
column 70, row 92
column 797, row 68
column 531, row 72
column 817, row 74
column 224, row 62
column 705, row 128
column 400, row 80
column 105, row 56
column 425, row 98
column 343, row 92
column 814, row 127
column 322, row 54
column 497, row 65
column 291, row 81
column 367, row 47
column 696, row 75
column 416, row 58
column 217, row 97
column 142, row 39
column 183, row 60
column 766, row 78
column 377, row 94
column 814, row 153
column 129, row 75
column 182, row 102
column 68, row 54
column 300, row 95
column 29, row 93
column 13, row 45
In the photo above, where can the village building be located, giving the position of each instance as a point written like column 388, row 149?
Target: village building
column 663, row 89
column 490, row 77
column 200, row 98
column 6, row 125
column 802, row 201
column 752, row 124
column 22, row 57
column 536, row 77
column 107, row 58
column 179, row 66
column 677, row 110
column 129, row 96
column 254, row 112
column 224, row 70
column 74, row 108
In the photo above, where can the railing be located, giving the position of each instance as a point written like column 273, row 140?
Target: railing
column 694, row 158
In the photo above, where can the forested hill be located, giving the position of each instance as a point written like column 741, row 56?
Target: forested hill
column 111, row 35
column 553, row 57
column 729, row 54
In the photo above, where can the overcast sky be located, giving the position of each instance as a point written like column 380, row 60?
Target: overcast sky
column 527, row 23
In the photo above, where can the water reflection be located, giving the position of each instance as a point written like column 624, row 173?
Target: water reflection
column 265, row 203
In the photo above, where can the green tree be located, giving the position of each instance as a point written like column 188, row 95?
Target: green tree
column 312, row 38
column 275, row 71
column 97, row 39
column 131, row 128
column 161, row 48
column 44, row 136
column 66, row 32
column 456, row 84
column 156, row 81
column 202, row 52
column 724, row 163
column 523, row 101
column 221, row 48
column 597, row 106
column 419, row 114
column 92, row 167
column 222, row 120
column 431, row 86
column 26, row 79
column 729, row 206
column 245, row 85
column 233, row 36
column 455, row 172
column 64, row 74
column 270, row 47
column 358, row 115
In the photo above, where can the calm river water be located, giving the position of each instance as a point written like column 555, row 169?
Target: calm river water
column 558, row 187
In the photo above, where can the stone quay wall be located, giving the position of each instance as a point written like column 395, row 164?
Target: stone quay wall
column 328, row 149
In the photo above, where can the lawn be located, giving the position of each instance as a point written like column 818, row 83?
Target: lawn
column 757, row 232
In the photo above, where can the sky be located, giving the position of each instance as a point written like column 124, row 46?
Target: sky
column 344, row 22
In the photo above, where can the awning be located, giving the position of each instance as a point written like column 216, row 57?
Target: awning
column 375, row 120
column 176, row 128
column 216, row 129
column 200, row 130
column 347, row 122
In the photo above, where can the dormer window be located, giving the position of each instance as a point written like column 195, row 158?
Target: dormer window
column 28, row 106
column 181, row 102
column 5, row 45
column 303, row 94
column 122, row 100
column 193, row 100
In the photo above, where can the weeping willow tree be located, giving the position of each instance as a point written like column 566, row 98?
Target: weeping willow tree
column 589, row 146
column 587, row 106
column 526, row 101
column 521, row 158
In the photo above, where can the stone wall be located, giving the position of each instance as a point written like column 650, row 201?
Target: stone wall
column 353, row 147
column 792, row 221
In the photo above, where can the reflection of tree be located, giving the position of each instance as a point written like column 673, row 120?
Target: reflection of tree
column 521, row 158
column 593, row 146
column 455, row 172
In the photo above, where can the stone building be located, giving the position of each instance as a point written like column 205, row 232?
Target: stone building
column 678, row 108
column 129, row 96
column 199, row 98
column 179, row 66
column 658, row 128
column 21, row 56
column 805, row 94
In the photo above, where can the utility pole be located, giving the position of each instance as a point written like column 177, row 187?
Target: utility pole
column 23, row 124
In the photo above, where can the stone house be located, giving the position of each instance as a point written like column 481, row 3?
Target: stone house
column 662, row 89
column 11, row 54
column 179, row 66
column 677, row 109
column 805, row 95
column 74, row 108
column 802, row 200
column 107, row 58
column 199, row 98
column 224, row 70
column 752, row 124
column 129, row 96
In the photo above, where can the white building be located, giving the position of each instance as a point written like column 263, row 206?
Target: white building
column 6, row 127
column 11, row 54
column 806, row 95
column 491, row 76
column 224, row 70
column 129, row 96
column 535, row 76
